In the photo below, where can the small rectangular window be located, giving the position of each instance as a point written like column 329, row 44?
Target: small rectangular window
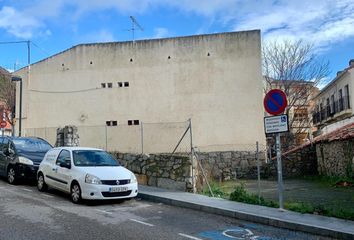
column 103, row 85
column 136, row 122
column 114, row 123
column 346, row 92
column 109, row 85
column 130, row 122
column 108, row 123
column 126, row 84
column 333, row 107
column 120, row 84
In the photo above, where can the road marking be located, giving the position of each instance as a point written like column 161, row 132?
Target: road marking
column 147, row 224
column 189, row 236
column 28, row 190
column 43, row 194
column 131, row 207
column 102, row 211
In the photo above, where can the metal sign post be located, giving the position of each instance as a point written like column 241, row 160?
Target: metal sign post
column 280, row 172
column 275, row 103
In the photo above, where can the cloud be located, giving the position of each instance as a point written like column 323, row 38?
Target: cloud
column 161, row 33
column 323, row 22
column 101, row 36
column 17, row 23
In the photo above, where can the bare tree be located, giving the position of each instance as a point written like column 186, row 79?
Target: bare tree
column 7, row 95
column 294, row 67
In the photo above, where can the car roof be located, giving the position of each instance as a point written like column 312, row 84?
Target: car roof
column 77, row 148
column 11, row 137
column 24, row 138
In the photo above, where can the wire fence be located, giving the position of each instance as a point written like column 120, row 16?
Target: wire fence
column 142, row 138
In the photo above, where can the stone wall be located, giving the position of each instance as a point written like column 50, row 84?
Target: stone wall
column 221, row 166
column 335, row 158
column 296, row 163
column 160, row 170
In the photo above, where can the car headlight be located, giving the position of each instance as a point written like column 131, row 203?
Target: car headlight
column 133, row 178
column 92, row 179
column 24, row 160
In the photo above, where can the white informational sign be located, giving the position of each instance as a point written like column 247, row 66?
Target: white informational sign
column 276, row 124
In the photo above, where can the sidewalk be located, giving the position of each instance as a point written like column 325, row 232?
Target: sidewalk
column 314, row 224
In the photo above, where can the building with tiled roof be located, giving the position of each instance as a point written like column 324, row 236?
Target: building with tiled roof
column 334, row 103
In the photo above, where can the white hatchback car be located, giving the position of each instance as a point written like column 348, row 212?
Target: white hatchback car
column 85, row 173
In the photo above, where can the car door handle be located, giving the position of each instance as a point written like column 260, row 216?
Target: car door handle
column 55, row 169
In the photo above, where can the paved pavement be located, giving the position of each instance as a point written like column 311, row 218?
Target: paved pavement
column 27, row 214
column 314, row 224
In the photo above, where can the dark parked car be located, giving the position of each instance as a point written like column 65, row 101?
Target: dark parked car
column 20, row 157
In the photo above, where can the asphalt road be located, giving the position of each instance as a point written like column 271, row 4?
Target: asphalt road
column 28, row 214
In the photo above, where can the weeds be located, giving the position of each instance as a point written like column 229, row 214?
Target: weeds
column 217, row 191
column 241, row 195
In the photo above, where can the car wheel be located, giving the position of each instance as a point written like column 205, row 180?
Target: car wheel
column 11, row 175
column 75, row 193
column 41, row 185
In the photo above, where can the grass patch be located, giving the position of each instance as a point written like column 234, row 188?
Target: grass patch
column 319, row 210
column 329, row 181
column 239, row 194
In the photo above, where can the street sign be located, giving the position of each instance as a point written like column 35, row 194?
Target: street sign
column 275, row 102
column 276, row 124
column 3, row 124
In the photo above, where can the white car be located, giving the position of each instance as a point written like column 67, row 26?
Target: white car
column 85, row 173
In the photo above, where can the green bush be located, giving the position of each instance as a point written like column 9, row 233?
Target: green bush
column 241, row 195
column 217, row 191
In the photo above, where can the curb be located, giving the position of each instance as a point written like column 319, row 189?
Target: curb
column 266, row 220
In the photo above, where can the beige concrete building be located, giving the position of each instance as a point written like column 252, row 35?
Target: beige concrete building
column 109, row 89
column 334, row 103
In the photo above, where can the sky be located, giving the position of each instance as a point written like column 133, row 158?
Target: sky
column 56, row 25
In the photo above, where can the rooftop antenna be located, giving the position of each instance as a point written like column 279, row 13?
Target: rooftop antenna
column 135, row 25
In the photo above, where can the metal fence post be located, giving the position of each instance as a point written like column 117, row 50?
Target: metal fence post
column 258, row 172
column 142, row 137
column 106, row 137
column 192, row 156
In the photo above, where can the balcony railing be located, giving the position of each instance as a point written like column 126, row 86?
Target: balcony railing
column 330, row 110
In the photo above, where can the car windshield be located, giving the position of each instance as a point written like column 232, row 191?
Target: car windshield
column 93, row 158
column 31, row 145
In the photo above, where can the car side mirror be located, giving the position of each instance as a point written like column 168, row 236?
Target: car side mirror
column 9, row 151
column 66, row 163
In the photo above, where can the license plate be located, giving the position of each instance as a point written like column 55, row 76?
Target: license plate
column 118, row 189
